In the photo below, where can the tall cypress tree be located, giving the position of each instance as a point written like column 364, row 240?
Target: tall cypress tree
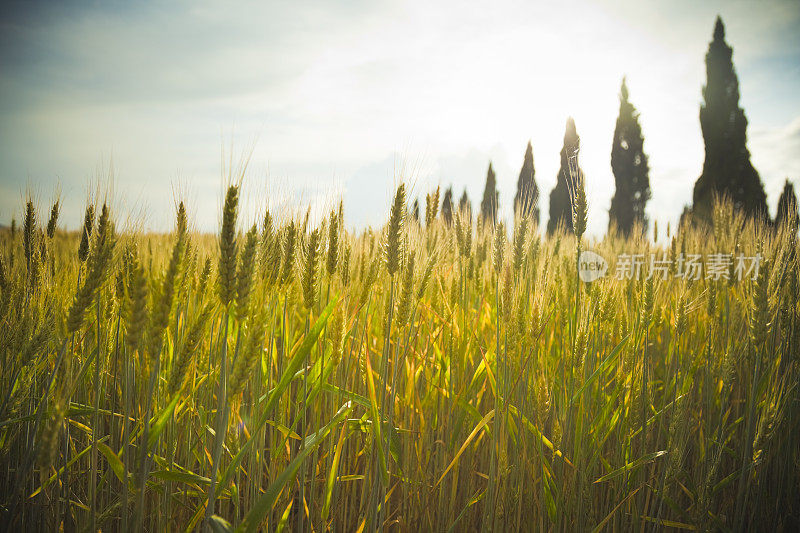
column 787, row 206
column 560, row 206
column 526, row 201
column 727, row 168
column 464, row 205
column 631, row 173
column 447, row 206
column 490, row 197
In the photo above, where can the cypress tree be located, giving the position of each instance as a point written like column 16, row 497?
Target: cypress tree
column 464, row 205
column 685, row 221
column 560, row 206
column 526, row 201
column 490, row 197
column 787, row 206
column 447, row 206
column 727, row 168
column 631, row 172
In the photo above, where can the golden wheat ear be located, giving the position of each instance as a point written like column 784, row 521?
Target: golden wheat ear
column 52, row 222
column 136, row 304
column 244, row 282
column 499, row 246
column 228, row 248
column 394, row 231
column 332, row 258
column 86, row 233
column 309, row 275
column 289, row 245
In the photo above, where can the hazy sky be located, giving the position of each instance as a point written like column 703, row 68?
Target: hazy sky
column 335, row 97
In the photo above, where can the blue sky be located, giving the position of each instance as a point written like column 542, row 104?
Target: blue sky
column 349, row 98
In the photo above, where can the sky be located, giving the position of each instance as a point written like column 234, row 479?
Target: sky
column 148, row 103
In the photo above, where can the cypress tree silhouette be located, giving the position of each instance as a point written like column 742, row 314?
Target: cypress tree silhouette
column 464, row 205
column 631, row 173
column 787, row 206
column 686, row 218
column 447, row 206
column 560, row 206
column 490, row 197
column 727, row 169
column 526, row 201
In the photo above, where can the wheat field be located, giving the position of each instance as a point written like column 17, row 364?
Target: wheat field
column 423, row 376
